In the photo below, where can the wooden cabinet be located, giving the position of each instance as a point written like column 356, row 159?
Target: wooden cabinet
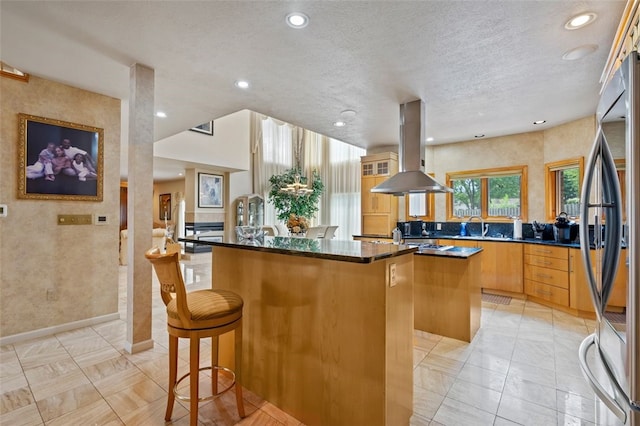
column 501, row 267
column 546, row 273
column 379, row 211
column 580, row 296
column 446, row 295
column 458, row 243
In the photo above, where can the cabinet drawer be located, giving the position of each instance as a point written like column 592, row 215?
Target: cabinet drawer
column 547, row 251
column 548, row 276
column 553, row 294
column 546, row 262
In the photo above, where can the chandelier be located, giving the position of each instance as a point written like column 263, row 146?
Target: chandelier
column 296, row 188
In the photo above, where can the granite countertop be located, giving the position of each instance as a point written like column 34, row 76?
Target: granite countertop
column 449, row 251
column 506, row 240
column 340, row 250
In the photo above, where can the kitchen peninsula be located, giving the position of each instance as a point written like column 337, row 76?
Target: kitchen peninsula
column 328, row 326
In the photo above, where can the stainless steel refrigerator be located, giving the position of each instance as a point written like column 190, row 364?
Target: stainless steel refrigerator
column 609, row 357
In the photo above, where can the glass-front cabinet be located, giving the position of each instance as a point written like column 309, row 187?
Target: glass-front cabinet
column 249, row 210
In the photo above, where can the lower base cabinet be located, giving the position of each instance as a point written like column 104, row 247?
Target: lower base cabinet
column 580, row 295
column 501, row 266
column 546, row 273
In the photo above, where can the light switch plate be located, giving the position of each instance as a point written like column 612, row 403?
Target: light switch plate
column 100, row 219
column 3, row 210
column 75, row 219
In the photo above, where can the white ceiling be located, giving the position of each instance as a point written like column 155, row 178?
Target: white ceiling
column 482, row 67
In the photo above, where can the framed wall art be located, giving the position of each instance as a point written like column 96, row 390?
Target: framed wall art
column 164, row 208
column 206, row 128
column 58, row 160
column 210, row 190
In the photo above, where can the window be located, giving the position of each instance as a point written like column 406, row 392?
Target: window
column 564, row 179
column 493, row 194
column 420, row 206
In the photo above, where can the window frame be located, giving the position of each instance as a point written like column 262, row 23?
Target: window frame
column 484, row 175
column 430, row 204
column 551, row 179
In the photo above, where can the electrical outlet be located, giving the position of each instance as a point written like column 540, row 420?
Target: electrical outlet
column 392, row 275
column 438, row 227
column 101, row 219
column 52, row 294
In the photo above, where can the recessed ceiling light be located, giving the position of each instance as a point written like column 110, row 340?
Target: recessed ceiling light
column 540, row 122
column 429, row 139
column 297, row 20
column 479, row 136
column 242, row 84
column 580, row 21
column 339, row 124
column 180, row 174
column 348, row 113
column 161, row 114
column 579, row 52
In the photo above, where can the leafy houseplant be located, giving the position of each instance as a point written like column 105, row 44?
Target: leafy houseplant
column 293, row 208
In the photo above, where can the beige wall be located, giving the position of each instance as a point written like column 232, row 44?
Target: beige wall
column 532, row 149
column 78, row 265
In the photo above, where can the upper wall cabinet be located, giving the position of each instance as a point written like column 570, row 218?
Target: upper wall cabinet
column 379, row 211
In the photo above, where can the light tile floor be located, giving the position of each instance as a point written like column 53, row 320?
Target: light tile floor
column 521, row 368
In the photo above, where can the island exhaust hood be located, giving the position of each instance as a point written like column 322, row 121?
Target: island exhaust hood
column 411, row 179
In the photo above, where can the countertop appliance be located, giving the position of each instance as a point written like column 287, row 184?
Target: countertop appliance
column 614, row 371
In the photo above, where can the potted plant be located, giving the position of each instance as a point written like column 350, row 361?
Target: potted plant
column 294, row 199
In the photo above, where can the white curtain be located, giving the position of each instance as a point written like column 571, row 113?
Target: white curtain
column 274, row 155
column 278, row 146
column 343, row 188
column 339, row 166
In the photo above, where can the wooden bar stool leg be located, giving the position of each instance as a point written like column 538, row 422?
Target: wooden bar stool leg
column 173, row 375
column 237, row 336
column 214, row 363
column 194, row 378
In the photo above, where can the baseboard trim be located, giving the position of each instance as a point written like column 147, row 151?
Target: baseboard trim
column 49, row 331
column 138, row 347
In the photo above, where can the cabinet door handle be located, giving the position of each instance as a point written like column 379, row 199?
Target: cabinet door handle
column 543, row 276
column 546, row 293
column 542, row 251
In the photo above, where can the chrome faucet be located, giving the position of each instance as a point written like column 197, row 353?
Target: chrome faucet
column 483, row 229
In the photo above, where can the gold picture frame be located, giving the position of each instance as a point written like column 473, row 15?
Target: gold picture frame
column 59, row 160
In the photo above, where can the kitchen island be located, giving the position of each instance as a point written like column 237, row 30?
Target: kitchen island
column 327, row 326
column 447, row 293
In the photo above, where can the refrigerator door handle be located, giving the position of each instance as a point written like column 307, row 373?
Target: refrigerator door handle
column 602, row 393
column 613, row 227
column 585, row 205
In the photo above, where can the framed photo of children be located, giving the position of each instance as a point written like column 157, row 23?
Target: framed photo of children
column 58, row 160
column 210, row 190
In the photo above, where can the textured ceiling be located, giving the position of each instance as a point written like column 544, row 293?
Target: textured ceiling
column 482, row 67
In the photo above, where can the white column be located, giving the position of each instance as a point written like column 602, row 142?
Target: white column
column 140, row 207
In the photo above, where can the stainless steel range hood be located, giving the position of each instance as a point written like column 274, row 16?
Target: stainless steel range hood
column 411, row 179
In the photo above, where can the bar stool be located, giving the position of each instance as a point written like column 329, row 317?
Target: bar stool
column 194, row 316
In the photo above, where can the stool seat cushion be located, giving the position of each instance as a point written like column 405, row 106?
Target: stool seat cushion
column 208, row 306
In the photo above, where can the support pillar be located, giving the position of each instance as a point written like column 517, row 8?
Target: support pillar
column 140, row 208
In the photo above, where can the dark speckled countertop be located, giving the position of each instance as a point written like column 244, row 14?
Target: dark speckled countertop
column 340, row 250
